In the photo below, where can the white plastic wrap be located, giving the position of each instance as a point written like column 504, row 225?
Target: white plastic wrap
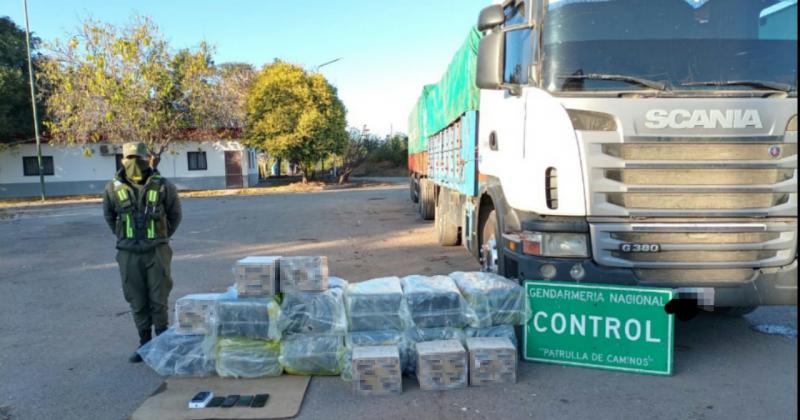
column 248, row 318
column 246, row 358
column 194, row 314
column 372, row 338
column 434, row 302
column 491, row 299
column 312, row 354
column 306, row 274
column 376, row 304
column 507, row 331
column 337, row 283
column 415, row 336
column 170, row 354
column 313, row 312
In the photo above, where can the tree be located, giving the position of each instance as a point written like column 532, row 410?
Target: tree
column 121, row 84
column 16, row 117
column 355, row 153
column 295, row 115
column 234, row 81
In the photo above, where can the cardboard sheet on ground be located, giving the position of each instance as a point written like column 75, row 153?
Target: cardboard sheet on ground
column 171, row 400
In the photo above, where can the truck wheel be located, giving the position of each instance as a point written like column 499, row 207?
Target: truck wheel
column 427, row 199
column 413, row 189
column 491, row 250
column 735, row 311
column 446, row 230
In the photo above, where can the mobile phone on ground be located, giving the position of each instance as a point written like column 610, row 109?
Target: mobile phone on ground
column 230, row 401
column 215, row 402
column 245, row 401
column 201, row 399
column 260, row 400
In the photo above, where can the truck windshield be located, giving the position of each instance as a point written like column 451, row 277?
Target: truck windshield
column 595, row 45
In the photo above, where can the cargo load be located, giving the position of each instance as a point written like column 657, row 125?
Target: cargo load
column 171, row 354
column 441, row 365
column 507, row 331
column 373, row 338
column 414, row 336
column 248, row 318
column 256, row 276
column 434, row 302
column 194, row 314
column 376, row 304
column 376, row 370
column 313, row 312
column 247, row 358
column 304, row 274
column 491, row 299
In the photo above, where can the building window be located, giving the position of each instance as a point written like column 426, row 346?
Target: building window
column 118, row 159
column 197, row 161
column 30, row 165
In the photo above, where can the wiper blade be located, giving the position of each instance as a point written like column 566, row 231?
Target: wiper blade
column 758, row 84
column 640, row 81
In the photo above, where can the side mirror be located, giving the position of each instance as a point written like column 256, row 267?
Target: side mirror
column 491, row 17
column 489, row 74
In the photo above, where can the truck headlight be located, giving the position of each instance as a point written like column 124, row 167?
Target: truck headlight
column 547, row 244
column 591, row 121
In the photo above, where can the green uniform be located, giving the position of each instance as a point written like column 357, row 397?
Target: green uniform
column 143, row 218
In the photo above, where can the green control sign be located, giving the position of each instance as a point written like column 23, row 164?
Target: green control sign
column 607, row 327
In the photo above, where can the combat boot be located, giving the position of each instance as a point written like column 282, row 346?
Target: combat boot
column 160, row 331
column 144, row 337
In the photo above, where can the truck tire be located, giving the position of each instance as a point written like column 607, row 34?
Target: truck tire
column 427, row 199
column 413, row 189
column 735, row 311
column 491, row 250
column 446, row 229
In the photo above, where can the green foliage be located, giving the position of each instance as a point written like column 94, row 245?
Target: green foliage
column 393, row 150
column 16, row 116
column 295, row 115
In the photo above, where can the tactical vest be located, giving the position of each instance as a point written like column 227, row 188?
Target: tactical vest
column 144, row 218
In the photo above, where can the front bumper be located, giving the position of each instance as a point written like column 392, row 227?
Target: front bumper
column 767, row 286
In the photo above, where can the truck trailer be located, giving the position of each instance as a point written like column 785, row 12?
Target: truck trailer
column 628, row 142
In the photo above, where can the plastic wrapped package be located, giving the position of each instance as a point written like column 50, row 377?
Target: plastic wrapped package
column 415, row 336
column 194, row 314
column 246, row 358
column 256, row 276
column 313, row 312
column 312, row 354
column 337, row 283
column 376, row 304
column 171, row 354
column 507, row 331
column 491, row 299
column 306, row 274
column 442, row 365
column 248, row 318
column 372, row 338
column 434, row 302
column 376, row 370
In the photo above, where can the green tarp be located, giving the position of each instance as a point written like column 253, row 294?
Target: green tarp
column 443, row 103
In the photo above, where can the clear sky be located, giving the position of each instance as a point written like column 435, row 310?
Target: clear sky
column 389, row 49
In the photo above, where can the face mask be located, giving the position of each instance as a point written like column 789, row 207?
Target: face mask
column 136, row 170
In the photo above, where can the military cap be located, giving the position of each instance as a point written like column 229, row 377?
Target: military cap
column 135, row 149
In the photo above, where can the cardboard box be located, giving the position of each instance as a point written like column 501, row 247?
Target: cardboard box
column 257, row 276
column 376, row 370
column 441, row 365
column 194, row 313
column 492, row 360
column 305, row 274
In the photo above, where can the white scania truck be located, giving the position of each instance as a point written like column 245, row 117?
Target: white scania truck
column 633, row 142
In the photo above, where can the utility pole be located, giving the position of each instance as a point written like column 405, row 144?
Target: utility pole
column 33, row 99
column 316, row 70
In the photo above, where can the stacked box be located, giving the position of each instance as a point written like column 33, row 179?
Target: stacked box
column 492, row 360
column 376, row 304
column 194, row 314
column 246, row 358
column 392, row 338
column 256, row 276
column 313, row 312
column 376, row 370
column 491, row 299
column 441, row 365
column 506, row 331
column 312, row 354
column 250, row 318
column 414, row 336
column 306, row 274
column 434, row 302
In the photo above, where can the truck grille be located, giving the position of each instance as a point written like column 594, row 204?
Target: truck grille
column 690, row 177
column 696, row 245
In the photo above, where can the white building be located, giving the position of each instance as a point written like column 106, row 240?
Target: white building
column 191, row 165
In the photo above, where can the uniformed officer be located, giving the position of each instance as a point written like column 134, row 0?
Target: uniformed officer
column 143, row 210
